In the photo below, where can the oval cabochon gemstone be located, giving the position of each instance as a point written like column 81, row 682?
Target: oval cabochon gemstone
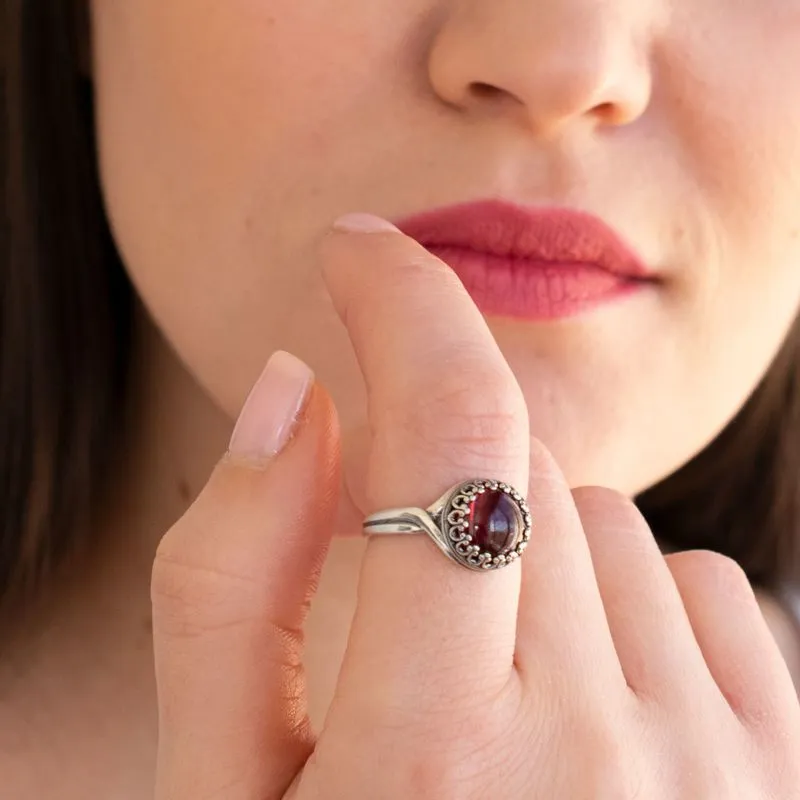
column 495, row 523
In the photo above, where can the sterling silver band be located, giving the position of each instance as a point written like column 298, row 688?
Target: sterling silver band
column 480, row 524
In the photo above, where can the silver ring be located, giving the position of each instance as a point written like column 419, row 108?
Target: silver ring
column 480, row 524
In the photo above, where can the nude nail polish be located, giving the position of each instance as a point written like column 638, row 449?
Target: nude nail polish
column 270, row 413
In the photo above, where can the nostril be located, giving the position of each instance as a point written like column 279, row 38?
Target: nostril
column 490, row 97
column 610, row 113
column 483, row 91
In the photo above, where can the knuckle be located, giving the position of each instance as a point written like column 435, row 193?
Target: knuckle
column 609, row 516
column 712, row 777
column 480, row 410
column 542, row 461
column 439, row 774
column 609, row 741
column 455, row 764
column 191, row 599
column 447, row 755
column 478, row 387
column 610, row 766
column 714, row 571
column 601, row 500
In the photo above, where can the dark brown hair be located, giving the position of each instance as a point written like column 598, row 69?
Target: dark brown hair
column 65, row 302
column 65, row 316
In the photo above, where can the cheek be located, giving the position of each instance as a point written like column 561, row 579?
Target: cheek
column 207, row 112
column 227, row 142
column 735, row 104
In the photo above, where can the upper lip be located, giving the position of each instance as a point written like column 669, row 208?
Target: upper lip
column 542, row 235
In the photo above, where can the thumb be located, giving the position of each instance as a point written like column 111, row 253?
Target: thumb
column 232, row 581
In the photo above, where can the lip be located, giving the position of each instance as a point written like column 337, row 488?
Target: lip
column 540, row 263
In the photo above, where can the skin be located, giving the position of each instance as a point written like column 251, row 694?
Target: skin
column 658, row 675
column 226, row 150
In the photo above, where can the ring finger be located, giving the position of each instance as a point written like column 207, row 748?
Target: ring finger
column 444, row 407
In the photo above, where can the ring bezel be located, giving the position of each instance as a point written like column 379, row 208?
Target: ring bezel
column 453, row 522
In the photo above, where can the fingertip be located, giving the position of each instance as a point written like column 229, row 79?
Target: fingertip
column 273, row 409
column 360, row 222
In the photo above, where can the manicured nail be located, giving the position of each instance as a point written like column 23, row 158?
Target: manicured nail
column 363, row 223
column 271, row 411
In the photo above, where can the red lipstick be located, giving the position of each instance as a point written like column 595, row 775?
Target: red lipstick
column 530, row 263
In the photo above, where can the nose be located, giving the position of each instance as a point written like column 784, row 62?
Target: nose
column 547, row 64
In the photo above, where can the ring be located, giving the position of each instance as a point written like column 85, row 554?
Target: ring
column 480, row 524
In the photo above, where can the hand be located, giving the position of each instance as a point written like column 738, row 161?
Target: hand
column 594, row 667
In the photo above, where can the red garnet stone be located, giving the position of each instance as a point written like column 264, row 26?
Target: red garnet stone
column 495, row 523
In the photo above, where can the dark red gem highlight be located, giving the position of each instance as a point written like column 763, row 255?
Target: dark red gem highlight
column 494, row 522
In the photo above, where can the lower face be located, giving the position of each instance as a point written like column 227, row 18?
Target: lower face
column 232, row 134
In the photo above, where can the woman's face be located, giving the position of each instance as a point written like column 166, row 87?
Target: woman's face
column 232, row 134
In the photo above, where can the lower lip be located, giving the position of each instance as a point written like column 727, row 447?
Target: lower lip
column 534, row 290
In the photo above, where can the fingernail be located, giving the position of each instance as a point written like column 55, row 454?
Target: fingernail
column 363, row 223
column 271, row 411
